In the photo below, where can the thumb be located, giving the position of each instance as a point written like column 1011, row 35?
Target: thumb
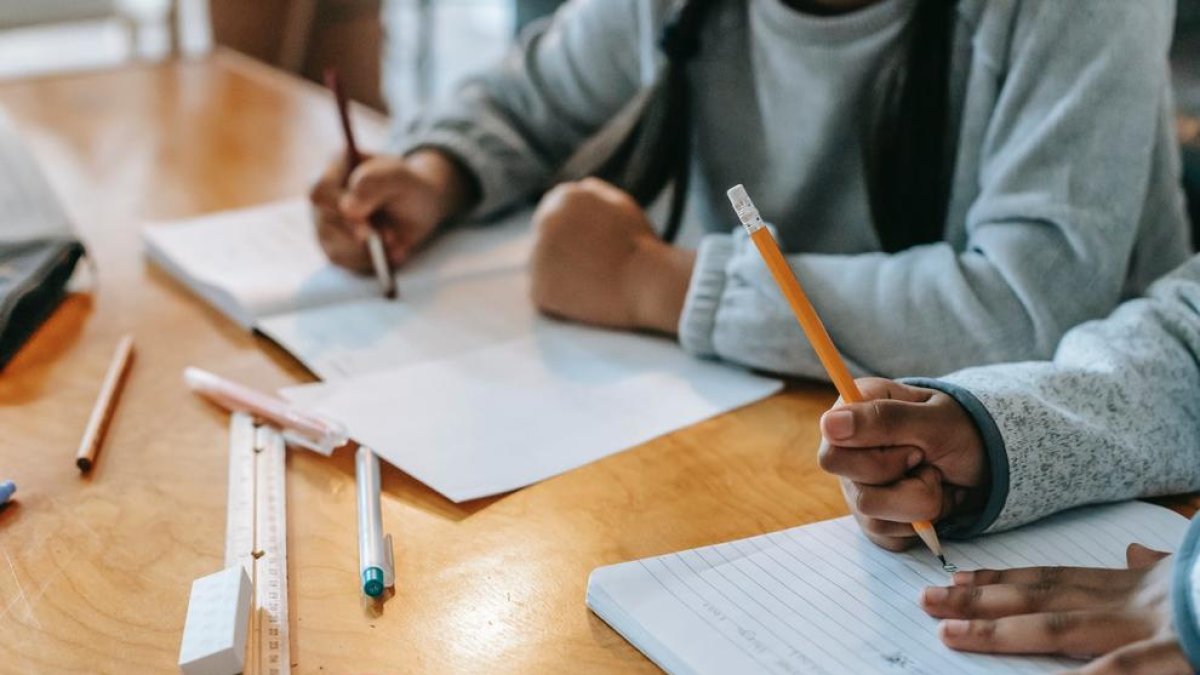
column 881, row 423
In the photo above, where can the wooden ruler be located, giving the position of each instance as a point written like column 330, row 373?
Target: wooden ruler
column 256, row 538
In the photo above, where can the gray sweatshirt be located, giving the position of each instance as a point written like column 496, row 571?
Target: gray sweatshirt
column 1115, row 415
column 1065, row 196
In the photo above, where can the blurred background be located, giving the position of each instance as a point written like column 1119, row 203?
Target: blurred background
column 394, row 55
column 397, row 53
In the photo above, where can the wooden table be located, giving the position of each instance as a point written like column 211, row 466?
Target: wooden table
column 96, row 570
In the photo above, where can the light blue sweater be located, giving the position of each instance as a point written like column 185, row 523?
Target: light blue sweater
column 1065, row 197
column 1115, row 415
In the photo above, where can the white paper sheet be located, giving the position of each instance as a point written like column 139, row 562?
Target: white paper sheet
column 256, row 262
column 503, row 417
column 429, row 321
column 822, row 599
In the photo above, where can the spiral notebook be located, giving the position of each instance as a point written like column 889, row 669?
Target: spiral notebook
column 822, row 599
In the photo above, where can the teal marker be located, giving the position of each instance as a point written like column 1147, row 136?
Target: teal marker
column 7, row 488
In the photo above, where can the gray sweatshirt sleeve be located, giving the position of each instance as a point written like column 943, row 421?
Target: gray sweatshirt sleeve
column 514, row 125
column 1115, row 415
column 1063, row 179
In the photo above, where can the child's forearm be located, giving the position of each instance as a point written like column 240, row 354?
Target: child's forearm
column 1115, row 416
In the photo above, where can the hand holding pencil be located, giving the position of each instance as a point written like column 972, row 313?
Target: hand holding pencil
column 904, row 454
column 397, row 200
column 912, row 476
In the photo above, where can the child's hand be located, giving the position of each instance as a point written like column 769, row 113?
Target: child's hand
column 405, row 197
column 1122, row 616
column 597, row 260
column 906, row 454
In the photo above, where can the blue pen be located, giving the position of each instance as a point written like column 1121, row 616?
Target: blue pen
column 7, row 488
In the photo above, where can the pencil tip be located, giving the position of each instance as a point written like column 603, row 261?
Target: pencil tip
column 948, row 567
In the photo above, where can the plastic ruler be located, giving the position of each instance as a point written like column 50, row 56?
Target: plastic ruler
column 256, row 538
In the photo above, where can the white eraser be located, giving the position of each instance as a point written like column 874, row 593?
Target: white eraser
column 214, row 635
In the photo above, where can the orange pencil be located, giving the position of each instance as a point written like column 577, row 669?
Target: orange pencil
column 810, row 322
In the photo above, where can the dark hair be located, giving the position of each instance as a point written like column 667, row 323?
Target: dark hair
column 908, row 163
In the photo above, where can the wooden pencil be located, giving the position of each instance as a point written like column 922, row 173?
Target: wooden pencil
column 106, row 402
column 810, row 322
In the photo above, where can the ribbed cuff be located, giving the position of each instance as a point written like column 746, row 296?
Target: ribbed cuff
column 699, row 318
column 1183, row 595
column 993, row 443
column 489, row 180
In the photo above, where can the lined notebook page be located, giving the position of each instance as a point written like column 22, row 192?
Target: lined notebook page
column 822, row 599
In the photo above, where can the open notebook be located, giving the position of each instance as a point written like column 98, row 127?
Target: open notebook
column 459, row 382
column 822, row 599
column 262, row 267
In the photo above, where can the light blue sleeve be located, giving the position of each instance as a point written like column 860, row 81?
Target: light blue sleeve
column 1115, row 415
column 512, row 126
column 1063, row 179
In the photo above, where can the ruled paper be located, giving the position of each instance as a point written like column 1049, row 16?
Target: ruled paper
column 822, row 599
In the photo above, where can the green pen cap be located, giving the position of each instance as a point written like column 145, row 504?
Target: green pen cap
column 373, row 581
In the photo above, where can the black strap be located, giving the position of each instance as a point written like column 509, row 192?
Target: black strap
column 680, row 41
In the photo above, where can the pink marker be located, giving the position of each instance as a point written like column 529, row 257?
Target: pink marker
column 300, row 428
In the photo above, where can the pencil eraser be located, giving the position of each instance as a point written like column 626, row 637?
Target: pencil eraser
column 214, row 634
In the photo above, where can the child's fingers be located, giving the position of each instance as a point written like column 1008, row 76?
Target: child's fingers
column 882, row 423
column 340, row 246
column 1084, row 577
column 1138, row 556
column 326, row 192
column 373, row 184
column 1001, row 600
column 870, row 466
column 888, row 529
column 1076, row 632
column 873, row 388
column 1149, row 657
column 917, row 497
column 886, row 535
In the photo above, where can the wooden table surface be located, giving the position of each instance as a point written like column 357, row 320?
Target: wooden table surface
column 96, row 570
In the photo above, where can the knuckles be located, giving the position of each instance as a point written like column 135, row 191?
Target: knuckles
column 566, row 198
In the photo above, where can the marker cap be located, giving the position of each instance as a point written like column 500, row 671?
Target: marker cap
column 373, row 581
column 7, row 488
